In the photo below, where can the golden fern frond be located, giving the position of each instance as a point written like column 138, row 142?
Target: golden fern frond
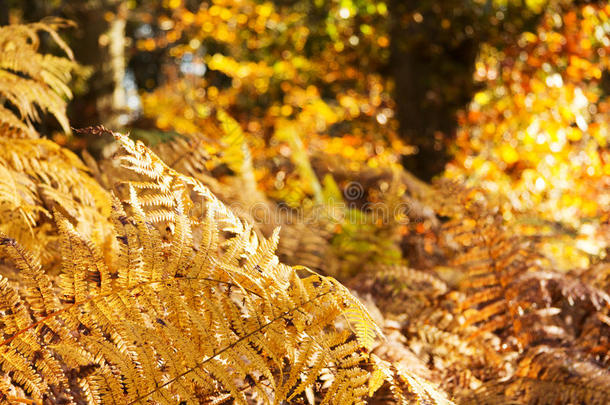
column 205, row 314
column 143, row 161
column 31, row 80
column 39, row 176
column 355, row 313
column 406, row 387
column 206, row 158
column 306, row 241
column 17, row 197
column 195, row 156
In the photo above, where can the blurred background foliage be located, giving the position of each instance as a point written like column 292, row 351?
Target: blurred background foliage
column 510, row 95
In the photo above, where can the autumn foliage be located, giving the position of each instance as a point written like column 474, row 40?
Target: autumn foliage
column 244, row 226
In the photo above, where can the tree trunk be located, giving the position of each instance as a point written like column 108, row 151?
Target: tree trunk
column 432, row 62
column 4, row 12
column 100, row 43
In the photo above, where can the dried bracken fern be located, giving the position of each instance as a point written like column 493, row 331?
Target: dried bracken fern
column 37, row 175
column 550, row 328
column 205, row 313
column 492, row 258
column 29, row 79
column 309, row 235
column 549, row 376
column 400, row 290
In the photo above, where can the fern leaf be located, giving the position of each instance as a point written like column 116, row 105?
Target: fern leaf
column 29, row 78
column 175, row 318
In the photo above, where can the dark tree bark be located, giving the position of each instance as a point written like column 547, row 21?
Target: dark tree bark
column 4, row 12
column 433, row 54
column 434, row 45
column 100, row 43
